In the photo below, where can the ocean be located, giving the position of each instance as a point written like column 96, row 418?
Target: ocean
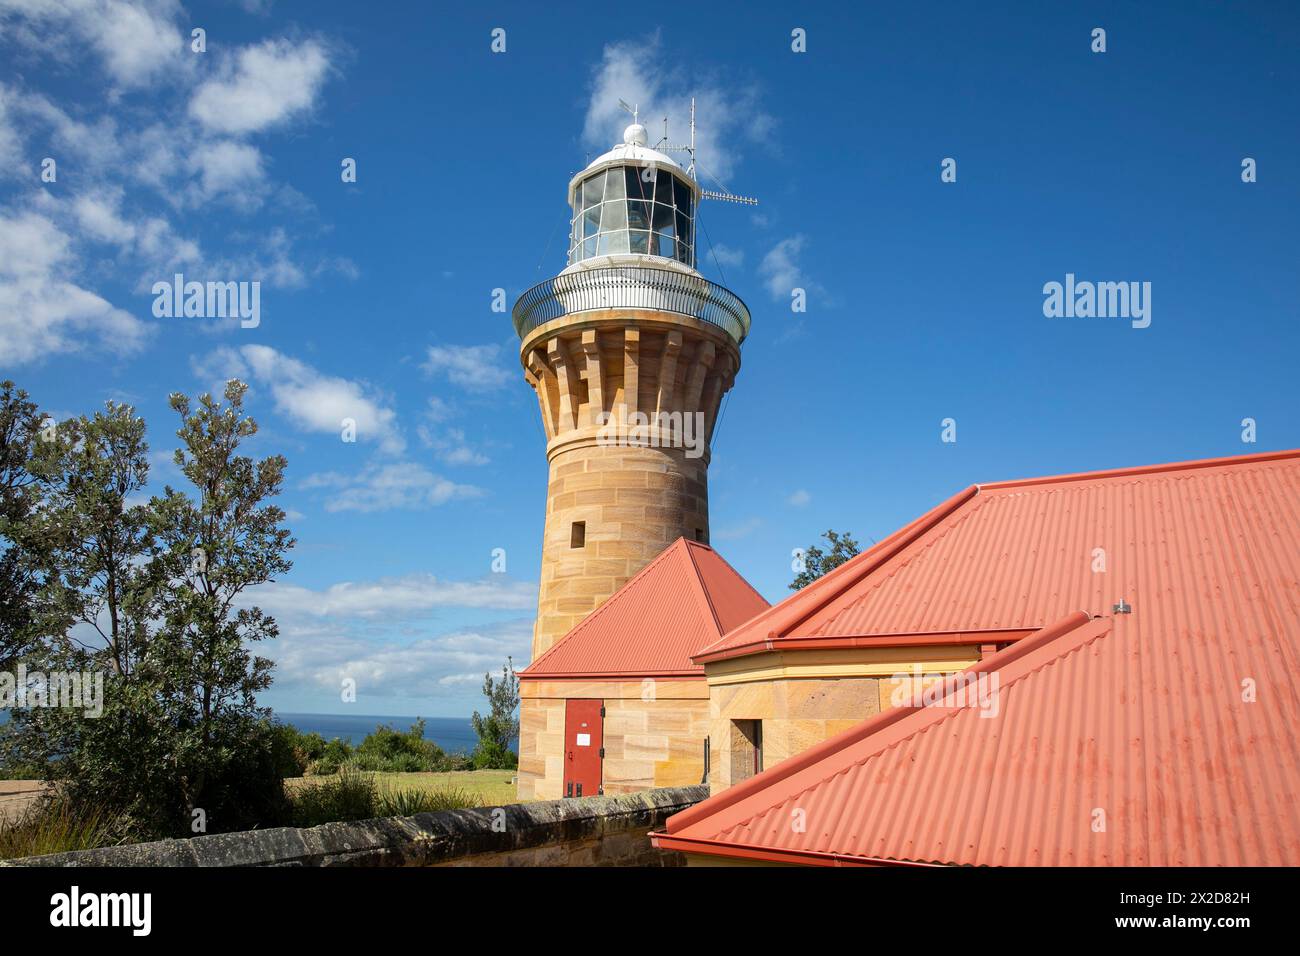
column 452, row 734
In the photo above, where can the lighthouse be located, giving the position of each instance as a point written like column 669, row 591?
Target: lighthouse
column 630, row 351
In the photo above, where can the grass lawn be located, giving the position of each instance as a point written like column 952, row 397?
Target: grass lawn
column 492, row 787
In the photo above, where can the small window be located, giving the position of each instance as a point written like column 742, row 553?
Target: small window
column 746, row 749
column 700, row 536
column 578, row 535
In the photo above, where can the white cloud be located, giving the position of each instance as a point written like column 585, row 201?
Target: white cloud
column 728, row 114
column 782, row 272
column 737, row 531
column 227, row 168
column 42, row 312
column 312, row 400
column 727, row 256
column 100, row 218
column 474, row 367
column 12, row 164
column 318, row 656
column 264, row 86
column 138, row 41
column 799, row 499
column 404, row 485
column 449, row 444
column 388, row 598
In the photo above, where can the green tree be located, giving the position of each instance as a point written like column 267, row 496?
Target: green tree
column 96, row 604
column 20, row 579
column 817, row 561
column 210, row 551
column 500, row 728
column 161, row 585
column 93, row 539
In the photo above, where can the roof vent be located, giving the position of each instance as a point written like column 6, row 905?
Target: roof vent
column 1121, row 607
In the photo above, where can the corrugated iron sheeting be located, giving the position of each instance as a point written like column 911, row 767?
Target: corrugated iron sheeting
column 676, row 604
column 1146, row 724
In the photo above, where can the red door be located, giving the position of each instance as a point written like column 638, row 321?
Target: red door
column 584, row 741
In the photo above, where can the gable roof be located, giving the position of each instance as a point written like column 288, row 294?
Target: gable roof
column 1006, row 557
column 1172, row 727
column 685, row 598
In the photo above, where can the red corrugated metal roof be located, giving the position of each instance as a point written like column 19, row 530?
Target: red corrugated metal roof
column 1136, row 718
column 685, row 598
column 1002, row 556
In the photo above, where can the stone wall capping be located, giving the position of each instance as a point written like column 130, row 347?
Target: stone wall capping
column 554, row 832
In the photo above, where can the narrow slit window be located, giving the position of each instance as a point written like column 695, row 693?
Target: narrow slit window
column 578, row 535
column 746, row 749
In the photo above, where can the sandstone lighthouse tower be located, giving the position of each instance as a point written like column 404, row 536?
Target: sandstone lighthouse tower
column 630, row 351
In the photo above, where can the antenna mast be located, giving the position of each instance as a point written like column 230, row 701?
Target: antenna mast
column 689, row 149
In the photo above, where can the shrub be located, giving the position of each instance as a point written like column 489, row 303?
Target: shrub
column 396, row 802
column 351, row 795
column 389, row 750
column 56, row 825
column 500, row 727
column 336, row 753
column 490, row 755
column 295, row 752
column 357, row 795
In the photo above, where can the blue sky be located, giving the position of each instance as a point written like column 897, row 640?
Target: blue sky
column 925, row 298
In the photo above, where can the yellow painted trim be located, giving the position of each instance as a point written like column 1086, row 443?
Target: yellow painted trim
column 848, row 662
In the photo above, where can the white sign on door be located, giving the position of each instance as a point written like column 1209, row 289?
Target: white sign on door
column 584, row 740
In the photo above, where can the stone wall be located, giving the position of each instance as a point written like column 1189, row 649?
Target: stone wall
column 655, row 743
column 632, row 498
column 795, row 714
column 594, row 831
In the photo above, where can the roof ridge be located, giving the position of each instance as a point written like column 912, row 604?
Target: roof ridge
column 608, row 602
column 739, row 577
column 840, row 579
column 1137, row 470
column 1046, row 637
column 891, row 568
column 702, row 592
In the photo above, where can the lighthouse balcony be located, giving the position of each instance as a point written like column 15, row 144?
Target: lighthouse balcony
column 632, row 287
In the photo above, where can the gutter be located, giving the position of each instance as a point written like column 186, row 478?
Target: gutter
column 1001, row 635
column 872, row 725
column 663, row 841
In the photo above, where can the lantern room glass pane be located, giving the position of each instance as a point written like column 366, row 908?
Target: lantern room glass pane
column 683, row 194
column 662, row 245
column 618, row 242
column 637, row 186
column 638, row 215
column 663, row 219
column 615, row 216
column 639, row 242
column 591, row 221
column 592, row 190
column 615, row 186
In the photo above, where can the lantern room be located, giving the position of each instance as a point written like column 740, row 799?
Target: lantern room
column 633, row 200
